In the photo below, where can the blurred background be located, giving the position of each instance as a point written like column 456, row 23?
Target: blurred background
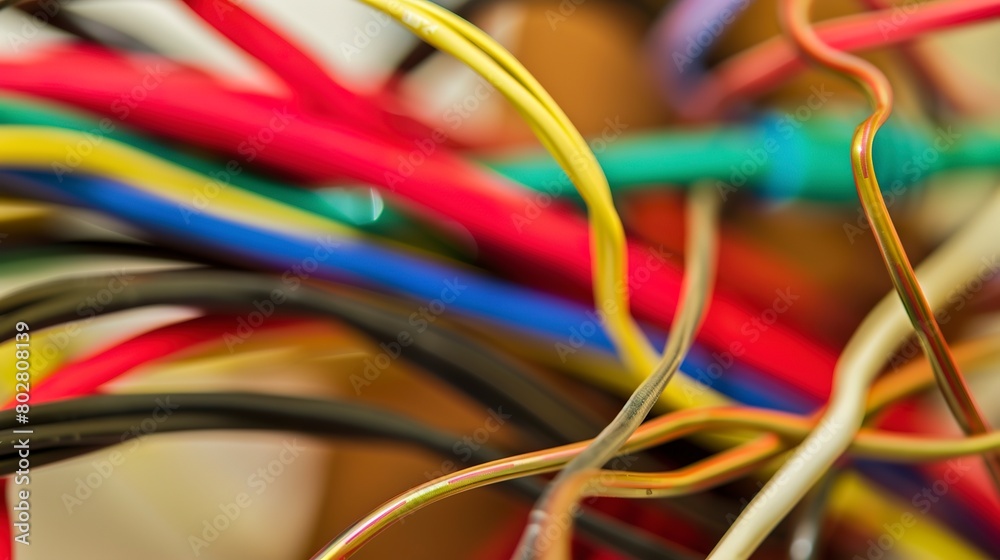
column 612, row 66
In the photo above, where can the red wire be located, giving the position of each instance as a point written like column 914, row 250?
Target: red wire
column 761, row 68
column 747, row 266
column 87, row 375
column 301, row 72
column 555, row 244
column 974, row 489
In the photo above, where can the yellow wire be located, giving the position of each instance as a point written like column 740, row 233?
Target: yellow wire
column 844, row 413
column 699, row 277
column 445, row 31
column 925, row 537
column 481, row 53
column 876, row 86
column 788, row 429
column 38, row 146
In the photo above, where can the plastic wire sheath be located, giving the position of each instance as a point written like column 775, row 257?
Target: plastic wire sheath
column 760, row 68
column 485, row 375
column 666, row 159
column 677, row 27
column 678, row 158
column 544, row 318
column 305, row 76
column 806, row 539
column 557, row 243
column 843, row 416
column 600, row 369
column 31, row 112
column 454, row 35
column 956, row 262
column 86, row 28
column 40, row 147
column 876, row 85
column 790, row 428
column 74, row 427
column 795, row 15
column 698, row 280
column 906, row 389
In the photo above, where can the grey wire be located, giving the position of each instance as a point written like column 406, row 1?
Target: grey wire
column 805, row 540
column 698, row 279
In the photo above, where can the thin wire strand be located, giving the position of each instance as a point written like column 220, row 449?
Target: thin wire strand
column 885, row 327
column 702, row 247
column 480, row 52
column 786, row 428
column 963, row 407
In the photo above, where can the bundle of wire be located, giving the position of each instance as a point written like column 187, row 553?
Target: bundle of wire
column 167, row 225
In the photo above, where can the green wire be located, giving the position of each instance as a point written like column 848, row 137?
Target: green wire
column 777, row 157
column 356, row 206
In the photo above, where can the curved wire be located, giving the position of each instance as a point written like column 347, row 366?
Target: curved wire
column 45, row 148
column 885, row 328
column 786, row 430
column 480, row 52
column 698, row 281
column 757, row 69
column 795, row 14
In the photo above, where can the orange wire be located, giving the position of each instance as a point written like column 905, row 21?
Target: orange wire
column 795, row 16
column 925, row 69
column 762, row 67
column 787, row 430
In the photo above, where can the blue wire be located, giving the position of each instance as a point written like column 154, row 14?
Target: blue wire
column 540, row 315
column 545, row 316
column 908, row 484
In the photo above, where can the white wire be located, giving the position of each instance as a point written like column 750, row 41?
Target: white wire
column 955, row 263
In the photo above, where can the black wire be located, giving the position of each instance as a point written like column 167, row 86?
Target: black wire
column 74, row 427
column 53, row 247
column 482, row 373
column 461, row 362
